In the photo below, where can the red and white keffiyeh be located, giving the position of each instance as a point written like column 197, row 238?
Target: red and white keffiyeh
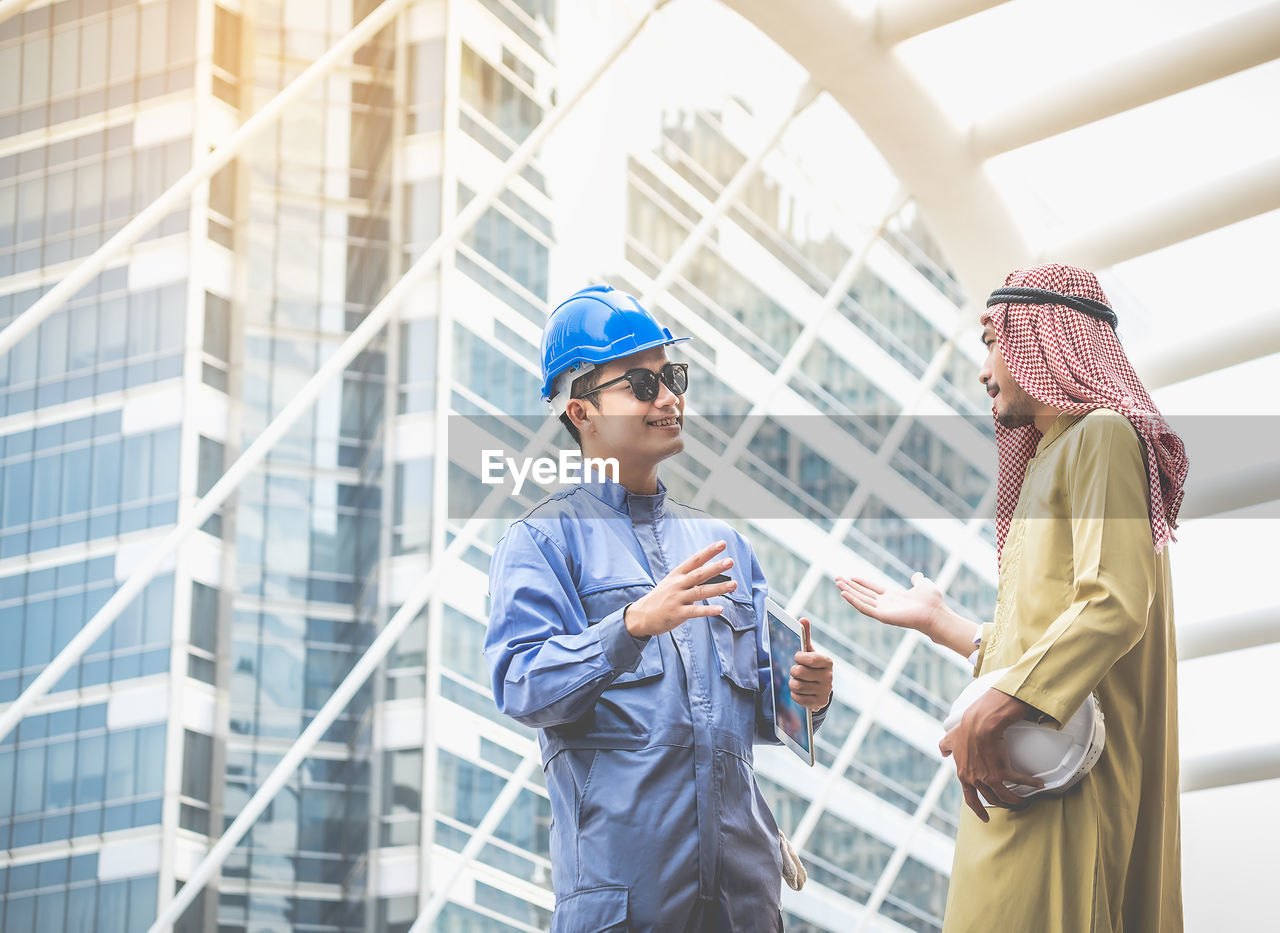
column 1073, row 361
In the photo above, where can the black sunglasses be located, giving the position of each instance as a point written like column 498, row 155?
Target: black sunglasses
column 644, row 382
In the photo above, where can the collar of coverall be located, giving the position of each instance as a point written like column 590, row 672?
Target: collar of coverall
column 619, row 499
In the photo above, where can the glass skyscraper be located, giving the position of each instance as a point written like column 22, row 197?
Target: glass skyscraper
column 127, row 405
column 101, row 449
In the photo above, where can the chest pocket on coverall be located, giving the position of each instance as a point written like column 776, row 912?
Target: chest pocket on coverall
column 602, row 598
column 734, row 634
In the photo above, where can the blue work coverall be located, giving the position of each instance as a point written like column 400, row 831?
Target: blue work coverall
column 657, row 822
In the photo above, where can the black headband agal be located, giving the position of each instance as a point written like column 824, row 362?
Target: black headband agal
column 1015, row 294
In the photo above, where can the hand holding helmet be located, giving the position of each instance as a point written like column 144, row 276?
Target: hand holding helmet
column 1002, row 758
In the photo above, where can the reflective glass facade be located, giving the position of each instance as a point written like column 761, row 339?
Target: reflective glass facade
column 98, row 784
column 127, row 405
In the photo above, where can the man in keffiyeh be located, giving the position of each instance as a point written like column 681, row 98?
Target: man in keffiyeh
column 1090, row 482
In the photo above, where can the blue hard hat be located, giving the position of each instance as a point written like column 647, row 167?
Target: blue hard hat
column 596, row 325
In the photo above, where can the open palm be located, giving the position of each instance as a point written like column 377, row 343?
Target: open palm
column 915, row 608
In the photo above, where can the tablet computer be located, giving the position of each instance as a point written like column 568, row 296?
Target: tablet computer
column 792, row 723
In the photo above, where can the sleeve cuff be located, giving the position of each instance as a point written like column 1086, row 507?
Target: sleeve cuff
column 1050, row 707
column 819, row 715
column 621, row 648
column 980, row 655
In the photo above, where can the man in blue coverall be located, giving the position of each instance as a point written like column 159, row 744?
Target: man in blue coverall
column 648, row 681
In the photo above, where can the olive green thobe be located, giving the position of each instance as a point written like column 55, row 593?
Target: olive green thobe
column 1085, row 604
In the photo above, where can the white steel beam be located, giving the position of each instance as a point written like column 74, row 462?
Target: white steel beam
column 1211, row 52
column 1231, row 343
column 10, row 8
column 1239, row 490
column 728, row 195
column 342, row 357
column 1232, row 633
column 897, row 20
column 1247, row 193
column 844, row 55
column 1238, row 766
column 450, row 163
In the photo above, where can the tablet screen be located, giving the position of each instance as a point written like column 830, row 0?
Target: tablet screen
column 783, row 645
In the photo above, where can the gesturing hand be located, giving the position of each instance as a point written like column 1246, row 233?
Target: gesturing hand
column 916, row 608
column 921, row 608
column 982, row 761
column 676, row 598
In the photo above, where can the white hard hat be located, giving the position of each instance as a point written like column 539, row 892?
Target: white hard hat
column 1059, row 757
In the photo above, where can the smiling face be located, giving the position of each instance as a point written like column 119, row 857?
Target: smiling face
column 1014, row 408
column 614, row 423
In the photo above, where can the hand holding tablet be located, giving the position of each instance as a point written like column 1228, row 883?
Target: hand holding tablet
column 811, row 676
column 800, row 681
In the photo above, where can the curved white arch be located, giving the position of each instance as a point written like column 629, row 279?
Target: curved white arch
column 846, row 55
column 852, row 57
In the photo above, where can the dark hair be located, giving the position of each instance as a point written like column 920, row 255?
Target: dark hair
column 581, row 388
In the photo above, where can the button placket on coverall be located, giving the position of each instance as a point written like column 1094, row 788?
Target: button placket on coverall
column 645, row 512
column 656, row 819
